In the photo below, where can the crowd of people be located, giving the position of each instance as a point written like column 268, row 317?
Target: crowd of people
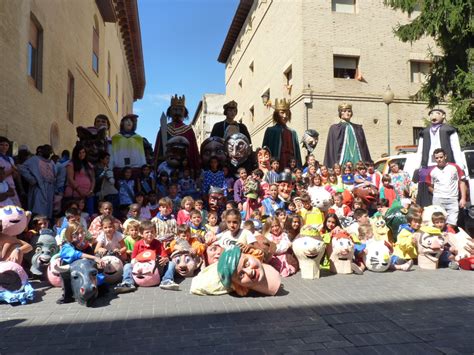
column 227, row 216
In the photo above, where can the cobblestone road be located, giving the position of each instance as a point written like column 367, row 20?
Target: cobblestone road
column 419, row 312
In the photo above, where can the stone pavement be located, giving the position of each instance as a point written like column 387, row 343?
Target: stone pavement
column 419, row 312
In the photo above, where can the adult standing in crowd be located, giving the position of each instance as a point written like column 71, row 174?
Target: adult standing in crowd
column 401, row 181
column 447, row 182
column 40, row 173
column 10, row 169
column 229, row 126
column 80, row 178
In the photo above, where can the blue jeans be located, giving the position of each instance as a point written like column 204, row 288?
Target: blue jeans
column 128, row 276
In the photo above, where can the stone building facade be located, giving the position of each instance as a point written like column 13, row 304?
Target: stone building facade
column 64, row 62
column 209, row 111
column 319, row 53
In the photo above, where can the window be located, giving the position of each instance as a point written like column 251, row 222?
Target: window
column 35, row 53
column 116, row 95
column 109, row 89
column 240, row 83
column 345, row 67
column 251, row 67
column 416, row 134
column 95, row 46
column 419, row 70
column 70, row 97
column 252, row 113
column 344, row 6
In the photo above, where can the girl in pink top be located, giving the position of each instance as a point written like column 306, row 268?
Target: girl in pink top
column 187, row 205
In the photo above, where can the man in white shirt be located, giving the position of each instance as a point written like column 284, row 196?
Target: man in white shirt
column 446, row 181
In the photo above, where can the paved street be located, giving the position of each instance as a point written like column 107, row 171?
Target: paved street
column 419, row 312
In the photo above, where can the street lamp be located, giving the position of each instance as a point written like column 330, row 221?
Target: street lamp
column 388, row 97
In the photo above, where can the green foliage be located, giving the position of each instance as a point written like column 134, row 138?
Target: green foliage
column 450, row 23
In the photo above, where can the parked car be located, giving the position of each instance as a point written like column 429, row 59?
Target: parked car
column 407, row 162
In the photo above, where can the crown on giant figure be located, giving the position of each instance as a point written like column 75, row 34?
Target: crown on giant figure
column 282, row 104
column 178, row 100
column 344, row 106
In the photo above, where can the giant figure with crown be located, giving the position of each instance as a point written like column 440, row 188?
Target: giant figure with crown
column 280, row 139
column 346, row 140
column 176, row 128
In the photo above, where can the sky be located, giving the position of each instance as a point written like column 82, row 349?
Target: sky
column 181, row 41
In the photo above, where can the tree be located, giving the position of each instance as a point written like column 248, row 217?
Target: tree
column 451, row 78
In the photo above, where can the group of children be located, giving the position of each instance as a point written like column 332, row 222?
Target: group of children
column 145, row 222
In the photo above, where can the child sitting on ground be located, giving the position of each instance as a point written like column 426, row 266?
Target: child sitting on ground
column 110, row 241
column 282, row 260
column 339, row 208
column 404, row 250
column 148, row 242
column 184, row 232
column 76, row 247
column 164, row 221
column 212, row 225
column 196, row 228
column 387, row 191
column 234, row 233
column 131, row 236
column 105, row 209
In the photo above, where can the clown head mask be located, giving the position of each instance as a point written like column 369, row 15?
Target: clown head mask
column 237, row 148
column 310, row 140
column 13, row 219
column 430, row 244
column 113, row 269
column 437, row 116
column 45, row 247
column 176, row 151
column 285, row 186
column 145, row 271
column 251, row 189
column 186, row 262
column 379, row 227
column 341, row 252
column 54, row 276
column 212, row 147
column 377, row 255
column 309, row 249
column 245, row 272
column 322, row 200
column 369, row 194
column 263, row 158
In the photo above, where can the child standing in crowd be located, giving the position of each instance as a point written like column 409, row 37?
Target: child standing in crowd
column 110, row 241
column 105, row 209
column 187, row 205
column 164, row 221
column 213, row 177
column 146, row 182
column 293, row 225
column 271, row 203
column 361, row 178
column 175, row 199
column 280, row 213
column 229, row 182
column 133, row 214
column 131, row 236
column 340, row 209
column 126, row 191
column 310, row 214
column 387, row 191
column 6, row 192
column 274, row 173
column 152, row 205
column 162, row 184
column 105, row 185
column 144, row 210
column 239, row 193
column 283, row 260
column 348, row 177
column 187, row 185
column 199, row 205
column 212, row 225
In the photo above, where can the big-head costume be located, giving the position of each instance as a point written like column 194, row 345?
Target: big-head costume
column 178, row 112
column 128, row 147
column 309, row 248
column 346, row 141
column 229, row 126
column 282, row 140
